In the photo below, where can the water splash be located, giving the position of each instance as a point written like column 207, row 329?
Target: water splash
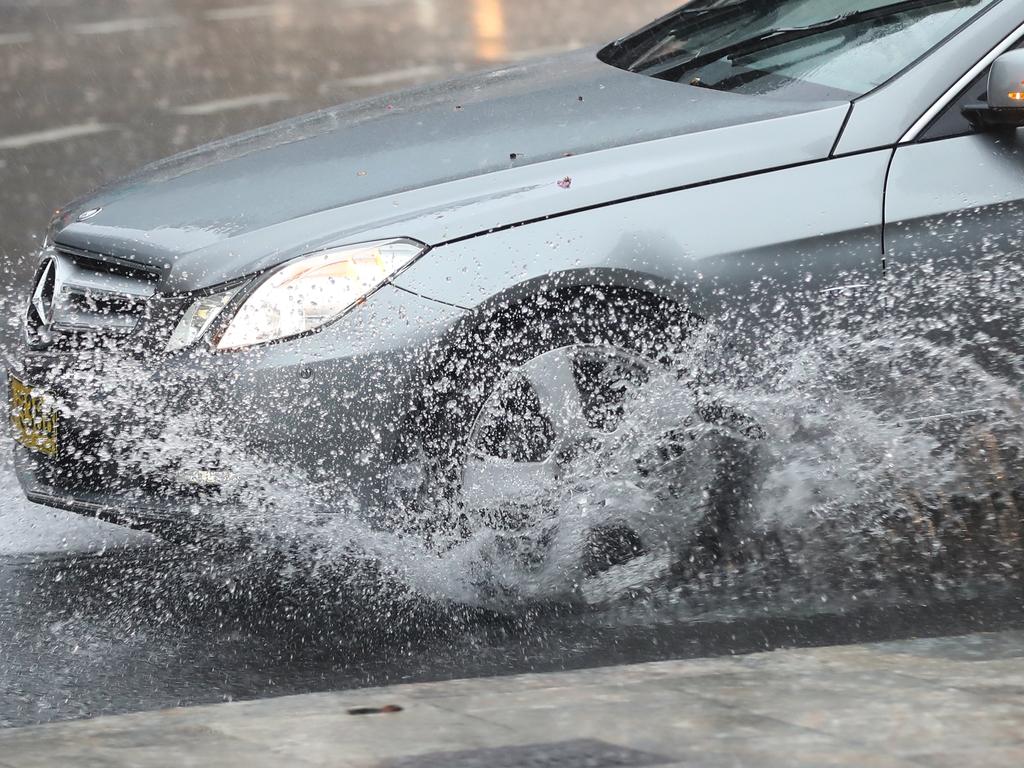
column 875, row 459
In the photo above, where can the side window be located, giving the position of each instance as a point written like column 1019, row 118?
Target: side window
column 951, row 122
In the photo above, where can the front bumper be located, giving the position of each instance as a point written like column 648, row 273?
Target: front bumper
column 172, row 440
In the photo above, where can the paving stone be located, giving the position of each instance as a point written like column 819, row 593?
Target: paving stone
column 581, row 753
column 325, row 738
column 1003, row 757
column 983, row 646
column 48, row 746
column 578, row 678
column 660, row 722
column 746, row 756
column 912, row 726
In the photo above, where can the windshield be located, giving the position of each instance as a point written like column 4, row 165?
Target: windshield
column 816, row 49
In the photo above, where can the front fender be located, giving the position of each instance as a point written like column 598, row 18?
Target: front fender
column 807, row 233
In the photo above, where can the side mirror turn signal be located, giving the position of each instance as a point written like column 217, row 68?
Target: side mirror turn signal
column 1004, row 108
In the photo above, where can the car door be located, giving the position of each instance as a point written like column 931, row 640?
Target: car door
column 954, row 231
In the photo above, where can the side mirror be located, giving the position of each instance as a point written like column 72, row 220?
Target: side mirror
column 1004, row 109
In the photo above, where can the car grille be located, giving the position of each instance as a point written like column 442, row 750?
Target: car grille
column 78, row 294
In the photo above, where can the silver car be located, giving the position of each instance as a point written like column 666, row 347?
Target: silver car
column 432, row 306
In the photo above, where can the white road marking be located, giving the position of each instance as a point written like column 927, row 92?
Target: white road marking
column 241, row 12
column 370, row 3
column 16, row 38
column 844, row 288
column 389, row 78
column 123, row 25
column 225, row 105
column 20, row 141
column 536, row 53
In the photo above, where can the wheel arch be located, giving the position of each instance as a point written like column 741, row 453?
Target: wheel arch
column 614, row 281
column 455, row 355
column 576, row 290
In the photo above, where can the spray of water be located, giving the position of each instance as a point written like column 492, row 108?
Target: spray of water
column 872, row 459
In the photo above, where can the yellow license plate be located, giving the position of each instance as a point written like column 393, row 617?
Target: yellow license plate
column 34, row 418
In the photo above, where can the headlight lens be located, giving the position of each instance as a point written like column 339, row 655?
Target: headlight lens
column 199, row 318
column 308, row 293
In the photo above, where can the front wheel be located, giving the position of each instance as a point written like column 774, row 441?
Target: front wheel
column 572, row 438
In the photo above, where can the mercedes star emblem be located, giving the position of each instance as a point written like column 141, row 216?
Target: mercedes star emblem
column 46, row 288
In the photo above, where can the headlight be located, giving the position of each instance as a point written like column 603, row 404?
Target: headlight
column 308, row 293
column 199, row 318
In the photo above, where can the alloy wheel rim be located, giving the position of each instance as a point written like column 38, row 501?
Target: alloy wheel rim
column 539, row 419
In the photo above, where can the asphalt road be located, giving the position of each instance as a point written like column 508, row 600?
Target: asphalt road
column 146, row 629
column 89, row 90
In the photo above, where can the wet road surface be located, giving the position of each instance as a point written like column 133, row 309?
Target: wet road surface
column 151, row 628
column 91, row 90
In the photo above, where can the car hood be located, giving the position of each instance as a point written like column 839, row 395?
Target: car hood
column 242, row 204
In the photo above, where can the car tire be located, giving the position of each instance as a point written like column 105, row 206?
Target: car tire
column 501, row 342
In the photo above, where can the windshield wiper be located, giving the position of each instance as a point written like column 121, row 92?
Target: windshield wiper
column 626, row 49
column 781, row 36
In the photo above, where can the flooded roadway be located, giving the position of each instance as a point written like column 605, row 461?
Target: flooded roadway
column 148, row 629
